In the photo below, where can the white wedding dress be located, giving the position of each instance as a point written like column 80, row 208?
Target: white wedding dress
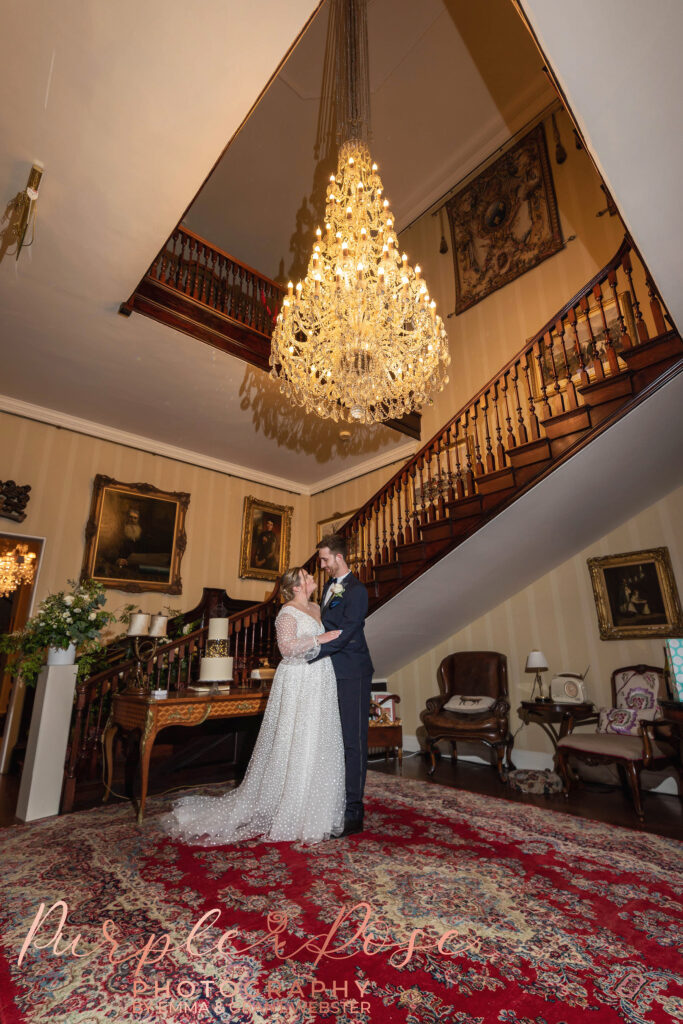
column 294, row 786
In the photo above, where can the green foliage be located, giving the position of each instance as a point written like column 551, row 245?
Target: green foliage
column 74, row 617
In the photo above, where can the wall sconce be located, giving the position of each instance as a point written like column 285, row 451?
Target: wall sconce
column 24, row 205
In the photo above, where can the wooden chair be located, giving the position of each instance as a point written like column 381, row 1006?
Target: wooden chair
column 628, row 733
column 472, row 706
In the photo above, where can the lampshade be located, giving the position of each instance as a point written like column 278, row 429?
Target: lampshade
column 536, row 662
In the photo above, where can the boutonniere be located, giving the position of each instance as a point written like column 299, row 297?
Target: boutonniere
column 337, row 589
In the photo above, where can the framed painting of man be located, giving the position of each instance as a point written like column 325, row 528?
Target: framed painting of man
column 135, row 536
column 636, row 595
column 266, row 534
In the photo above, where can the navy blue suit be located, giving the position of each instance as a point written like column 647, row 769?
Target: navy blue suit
column 353, row 668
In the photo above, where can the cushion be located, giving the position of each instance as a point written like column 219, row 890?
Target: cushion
column 624, row 721
column 609, row 745
column 638, row 691
column 463, row 704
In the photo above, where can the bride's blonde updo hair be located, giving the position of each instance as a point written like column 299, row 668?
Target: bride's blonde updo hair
column 289, row 580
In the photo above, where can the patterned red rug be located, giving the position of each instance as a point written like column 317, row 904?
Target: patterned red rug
column 516, row 914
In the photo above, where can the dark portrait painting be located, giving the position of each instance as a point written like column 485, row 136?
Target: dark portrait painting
column 136, row 536
column 266, row 531
column 636, row 595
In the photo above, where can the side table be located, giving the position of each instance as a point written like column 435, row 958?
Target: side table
column 548, row 714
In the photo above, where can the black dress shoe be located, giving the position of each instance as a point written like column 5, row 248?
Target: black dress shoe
column 351, row 825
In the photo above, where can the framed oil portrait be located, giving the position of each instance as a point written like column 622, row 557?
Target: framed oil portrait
column 135, row 537
column 636, row 595
column 266, row 534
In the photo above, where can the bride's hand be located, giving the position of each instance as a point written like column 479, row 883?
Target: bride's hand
column 332, row 634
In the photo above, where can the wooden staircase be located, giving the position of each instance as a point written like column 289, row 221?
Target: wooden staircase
column 606, row 351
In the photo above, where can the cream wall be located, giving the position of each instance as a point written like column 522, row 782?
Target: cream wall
column 350, row 496
column 487, row 335
column 60, row 466
column 557, row 615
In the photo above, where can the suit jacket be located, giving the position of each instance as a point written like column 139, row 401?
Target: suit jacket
column 349, row 652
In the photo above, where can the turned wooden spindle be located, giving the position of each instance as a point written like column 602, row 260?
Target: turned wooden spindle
column 392, row 537
column 593, row 345
column 624, row 337
column 385, row 548
column 641, row 326
column 459, row 478
column 490, row 461
column 449, row 465
column 469, row 450
column 478, row 463
column 656, row 307
column 416, row 509
column 523, row 437
column 423, row 507
column 538, row 351
column 378, row 545
column 400, row 496
column 364, row 575
column 612, row 360
column 534, row 425
column 431, row 507
column 441, row 481
column 569, row 388
column 500, row 450
column 583, row 372
column 550, row 349
column 197, row 282
column 510, row 439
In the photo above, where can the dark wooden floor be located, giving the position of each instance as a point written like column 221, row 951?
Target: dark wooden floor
column 663, row 814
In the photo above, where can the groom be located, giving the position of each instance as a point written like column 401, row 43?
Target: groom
column 344, row 606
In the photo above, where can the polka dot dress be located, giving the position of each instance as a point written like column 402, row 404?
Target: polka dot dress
column 294, row 786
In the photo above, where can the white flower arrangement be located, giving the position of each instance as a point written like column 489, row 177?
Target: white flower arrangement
column 337, row 589
column 62, row 619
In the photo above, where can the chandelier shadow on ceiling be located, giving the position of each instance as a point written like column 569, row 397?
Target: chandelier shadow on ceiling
column 359, row 339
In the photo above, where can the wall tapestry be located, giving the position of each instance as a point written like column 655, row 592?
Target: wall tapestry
column 636, row 596
column 504, row 222
column 135, row 537
column 266, row 532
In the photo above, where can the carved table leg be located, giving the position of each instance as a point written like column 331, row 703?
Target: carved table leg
column 146, row 744
column 108, row 750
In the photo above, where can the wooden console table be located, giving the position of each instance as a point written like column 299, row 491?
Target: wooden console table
column 132, row 711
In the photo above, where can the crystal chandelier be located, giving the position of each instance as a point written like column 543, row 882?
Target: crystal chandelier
column 17, row 566
column 359, row 338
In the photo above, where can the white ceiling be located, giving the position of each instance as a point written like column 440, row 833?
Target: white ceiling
column 128, row 105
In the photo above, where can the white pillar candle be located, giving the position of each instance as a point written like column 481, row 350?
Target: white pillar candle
column 157, row 626
column 139, row 625
column 218, row 629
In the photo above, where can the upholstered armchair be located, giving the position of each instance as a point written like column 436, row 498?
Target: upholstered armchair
column 627, row 734
column 472, row 706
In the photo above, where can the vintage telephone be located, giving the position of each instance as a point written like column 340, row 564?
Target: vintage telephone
column 569, row 688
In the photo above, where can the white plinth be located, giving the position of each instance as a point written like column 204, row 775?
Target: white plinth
column 41, row 780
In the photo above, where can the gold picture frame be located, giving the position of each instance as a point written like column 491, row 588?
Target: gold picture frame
column 636, row 595
column 266, row 538
column 135, row 537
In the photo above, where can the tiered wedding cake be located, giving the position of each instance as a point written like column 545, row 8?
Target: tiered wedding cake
column 216, row 666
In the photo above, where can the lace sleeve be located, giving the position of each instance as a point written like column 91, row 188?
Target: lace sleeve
column 294, row 648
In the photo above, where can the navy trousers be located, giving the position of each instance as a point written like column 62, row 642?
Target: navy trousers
column 354, row 711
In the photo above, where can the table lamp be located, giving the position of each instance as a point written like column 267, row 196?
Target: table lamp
column 536, row 662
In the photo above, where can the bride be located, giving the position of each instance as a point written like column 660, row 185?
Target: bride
column 294, row 786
